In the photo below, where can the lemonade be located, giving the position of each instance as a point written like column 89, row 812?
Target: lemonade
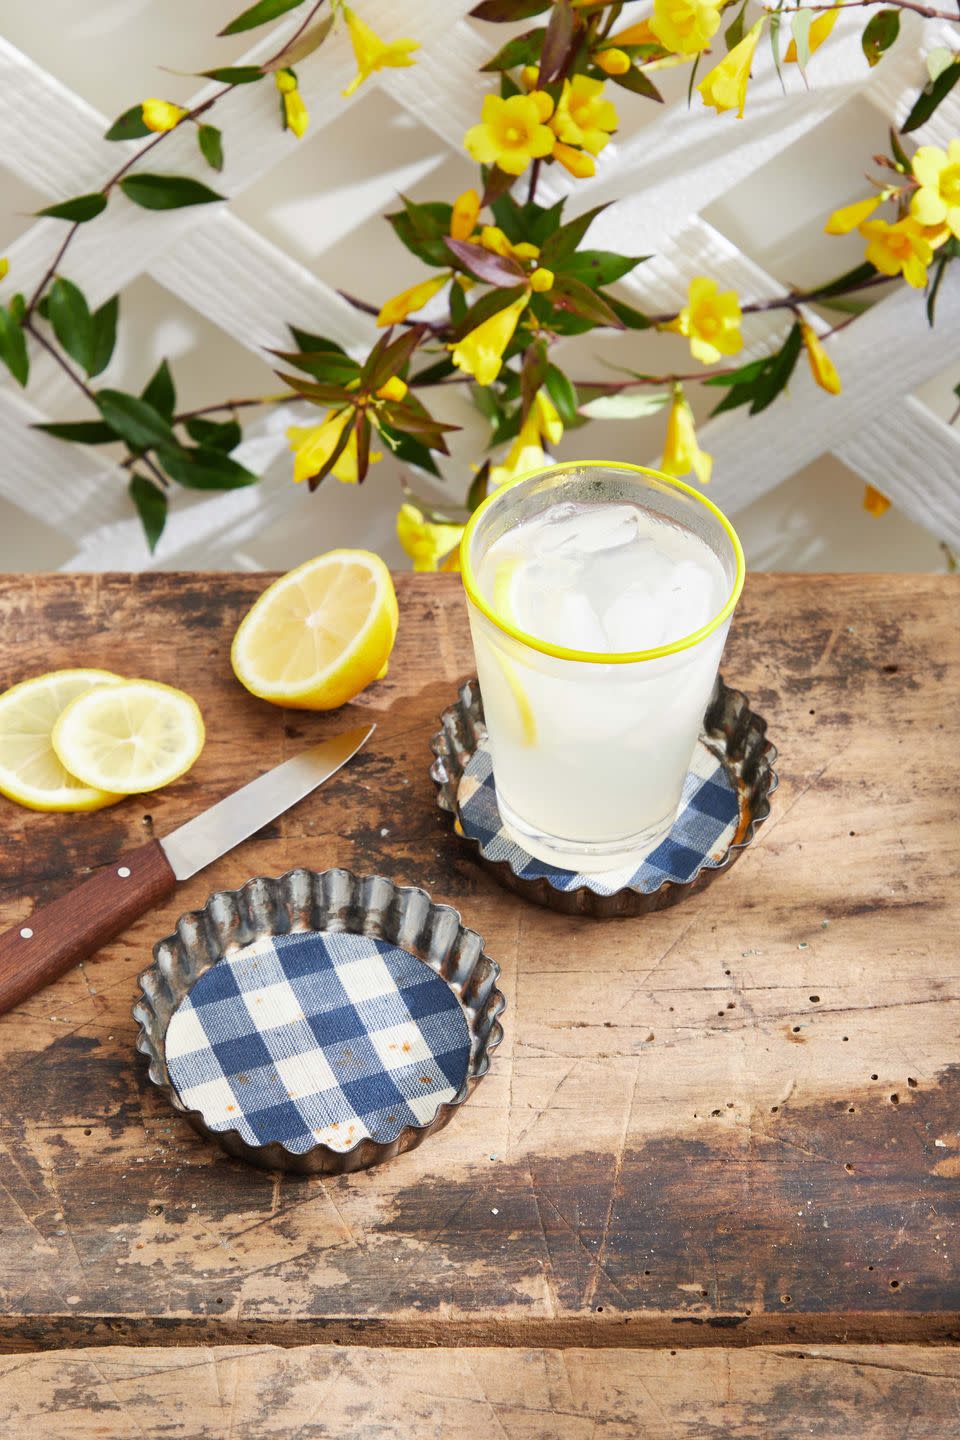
column 600, row 602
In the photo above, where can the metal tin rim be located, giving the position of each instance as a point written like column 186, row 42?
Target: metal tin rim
column 305, row 900
column 562, row 652
column 729, row 723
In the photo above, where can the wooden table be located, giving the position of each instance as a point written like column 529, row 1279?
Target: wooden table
column 710, row 1186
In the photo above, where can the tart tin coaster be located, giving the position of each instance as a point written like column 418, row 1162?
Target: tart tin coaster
column 319, row 1023
column 725, row 797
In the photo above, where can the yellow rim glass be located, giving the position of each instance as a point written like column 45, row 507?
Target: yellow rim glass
column 560, row 652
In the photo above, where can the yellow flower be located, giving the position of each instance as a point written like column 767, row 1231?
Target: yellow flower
column 466, row 208
column 4, row 267
column 900, row 248
column 408, row 301
column 851, row 217
column 583, row 117
column 612, row 61
column 493, row 239
column 681, row 453
column 542, row 279
column 312, row 446
column 161, row 114
column 937, row 202
column 821, row 366
column 578, row 162
column 393, row 389
column 480, row 353
column 639, row 34
column 710, row 320
column 511, row 132
column 725, row 86
column 294, row 110
column 819, row 30
column 684, row 26
column 875, row 503
column 543, row 423
column 372, row 53
column 428, row 541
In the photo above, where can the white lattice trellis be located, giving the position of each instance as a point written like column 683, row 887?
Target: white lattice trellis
column 661, row 179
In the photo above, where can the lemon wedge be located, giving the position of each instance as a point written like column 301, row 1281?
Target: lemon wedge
column 320, row 634
column 129, row 737
column 503, row 604
column 30, row 771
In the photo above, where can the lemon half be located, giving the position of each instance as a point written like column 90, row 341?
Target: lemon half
column 133, row 736
column 320, row 634
column 30, row 770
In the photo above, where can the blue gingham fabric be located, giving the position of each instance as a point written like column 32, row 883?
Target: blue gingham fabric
column 318, row 1037
column 702, row 833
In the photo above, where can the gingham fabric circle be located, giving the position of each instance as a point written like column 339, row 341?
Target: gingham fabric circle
column 704, row 829
column 318, row 1037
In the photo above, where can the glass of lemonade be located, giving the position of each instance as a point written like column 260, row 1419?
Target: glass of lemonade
column 600, row 595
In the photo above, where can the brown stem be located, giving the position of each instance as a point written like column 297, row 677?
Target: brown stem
column 191, row 114
column 234, row 405
column 926, row 10
column 786, row 302
column 534, row 177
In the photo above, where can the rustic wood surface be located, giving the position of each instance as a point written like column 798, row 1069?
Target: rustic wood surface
column 259, row 1392
column 732, row 1122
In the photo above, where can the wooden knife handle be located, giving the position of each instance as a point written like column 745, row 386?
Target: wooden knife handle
column 41, row 948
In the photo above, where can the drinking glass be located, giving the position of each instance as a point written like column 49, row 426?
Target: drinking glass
column 591, row 749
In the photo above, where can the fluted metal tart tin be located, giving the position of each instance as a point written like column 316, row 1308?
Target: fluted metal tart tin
column 321, row 901
column 734, row 733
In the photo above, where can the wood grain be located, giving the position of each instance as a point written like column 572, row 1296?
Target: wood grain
column 256, row 1392
column 731, row 1122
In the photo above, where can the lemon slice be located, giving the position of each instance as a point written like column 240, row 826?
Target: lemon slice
column 30, row 771
column 130, row 737
column 320, row 634
column 503, row 604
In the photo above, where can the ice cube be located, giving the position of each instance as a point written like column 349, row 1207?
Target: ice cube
column 636, row 620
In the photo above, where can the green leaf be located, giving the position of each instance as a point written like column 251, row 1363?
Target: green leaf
column 134, row 420
column 203, row 469
column 72, row 322
column 406, row 448
column 18, row 307
column 693, row 75
column 532, row 374
column 478, row 487
column 938, row 59
column 79, row 432
column 424, row 229
column 734, row 31
column 320, row 393
column 638, row 82
column 625, row 406
column 558, row 42
column 928, row 100
column 80, row 209
column 210, row 140
column 260, row 14
column 222, row 435
column 940, row 265
column 598, row 267
column 485, row 264
column 847, row 305
column 775, row 23
column 521, row 50
column 151, row 506
column 778, row 371
column 562, row 392
column 129, row 125
column 160, row 391
column 486, row 402
column 565, row 240
column 800, row 29
column 746, row 373
column 104, row 334
column 13, row 347
column 410, row 417
column 307, row 341
column 390, row 357
column 847, row 281
column 899, row 154
column 501, row 10
column 433, row 374
column 327, row 365
column 489, row 304
column 631, row 318
column 457, row 300
column 572, row 295
column 167, row 192
column 234, row 74
column 879, row 34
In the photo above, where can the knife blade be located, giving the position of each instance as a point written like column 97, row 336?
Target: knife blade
column 207, row 836
column 68, row 930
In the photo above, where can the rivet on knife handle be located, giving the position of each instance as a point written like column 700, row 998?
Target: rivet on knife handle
column 40, row 948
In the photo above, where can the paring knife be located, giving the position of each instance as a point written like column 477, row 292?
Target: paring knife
column 55, row 937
